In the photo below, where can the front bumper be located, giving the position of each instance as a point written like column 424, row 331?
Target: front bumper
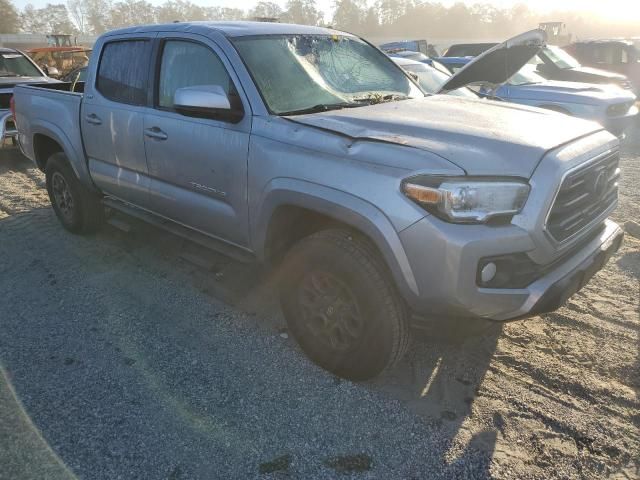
column 446, row 274
column 618, row 125
column 8, row 130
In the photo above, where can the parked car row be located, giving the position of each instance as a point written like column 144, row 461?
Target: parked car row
column 597, row 96
column 611, row 106
column 308, row 150
column 595, row 61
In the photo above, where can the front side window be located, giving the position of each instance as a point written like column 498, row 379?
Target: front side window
column 559, row 58
column 188, row 64
column 295, row 73
column 124, row 70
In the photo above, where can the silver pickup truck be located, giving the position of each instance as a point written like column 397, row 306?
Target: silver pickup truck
column 308, row 149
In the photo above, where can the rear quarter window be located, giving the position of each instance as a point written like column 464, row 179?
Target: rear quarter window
column 123, row 72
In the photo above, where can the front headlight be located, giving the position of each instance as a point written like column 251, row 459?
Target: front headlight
column 467, row 199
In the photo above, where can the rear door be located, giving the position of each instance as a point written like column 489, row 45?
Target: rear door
column 198, row 165
column 112, row 117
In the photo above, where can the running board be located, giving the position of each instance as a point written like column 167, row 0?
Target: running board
column 172, row 227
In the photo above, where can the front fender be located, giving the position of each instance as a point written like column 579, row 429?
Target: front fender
column 346, row 208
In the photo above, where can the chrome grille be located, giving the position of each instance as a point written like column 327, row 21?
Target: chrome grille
column 585, row 195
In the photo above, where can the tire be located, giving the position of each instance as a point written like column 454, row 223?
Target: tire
column 78, row 209
column 341, row 306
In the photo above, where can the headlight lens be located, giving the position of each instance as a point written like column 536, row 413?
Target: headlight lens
column 468, row 200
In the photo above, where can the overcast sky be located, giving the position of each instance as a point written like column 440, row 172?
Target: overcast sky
column 612, row 9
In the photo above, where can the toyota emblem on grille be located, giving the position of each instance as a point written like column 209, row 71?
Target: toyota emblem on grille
column 599, row 184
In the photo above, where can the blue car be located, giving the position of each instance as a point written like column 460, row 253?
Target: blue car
column 611, row 106
column 411, row 55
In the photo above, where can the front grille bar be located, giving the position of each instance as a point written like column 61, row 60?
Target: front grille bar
column 585, row 194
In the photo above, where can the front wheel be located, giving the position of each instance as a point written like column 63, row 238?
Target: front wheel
column 341, row 305
column 78, row 209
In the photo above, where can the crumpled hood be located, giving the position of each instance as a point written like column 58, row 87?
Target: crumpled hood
column 480, row 136
column 572, row 92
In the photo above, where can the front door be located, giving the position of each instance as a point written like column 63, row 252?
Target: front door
column 112, row 118
column 198, row 166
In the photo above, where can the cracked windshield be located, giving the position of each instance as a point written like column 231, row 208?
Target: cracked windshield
column 300, row 73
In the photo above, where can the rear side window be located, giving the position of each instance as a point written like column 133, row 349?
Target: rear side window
column 187, row 64
column 124, row 70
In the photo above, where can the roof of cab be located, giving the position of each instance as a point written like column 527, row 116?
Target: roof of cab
column 232, row 29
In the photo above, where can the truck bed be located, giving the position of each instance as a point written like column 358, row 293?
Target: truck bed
column 52, row 110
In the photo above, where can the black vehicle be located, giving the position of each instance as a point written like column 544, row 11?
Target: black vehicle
column 75, row 77
column 620, row 56
column 468, row 49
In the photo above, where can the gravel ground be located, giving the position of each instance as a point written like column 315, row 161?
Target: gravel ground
column 135, row 355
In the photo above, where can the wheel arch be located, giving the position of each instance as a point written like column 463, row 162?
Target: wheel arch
column 293, row 209
column 48, row 139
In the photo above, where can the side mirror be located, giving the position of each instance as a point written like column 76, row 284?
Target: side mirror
column 206, row 101
column 53, row 72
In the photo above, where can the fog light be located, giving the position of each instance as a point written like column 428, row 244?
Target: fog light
column 488, row 272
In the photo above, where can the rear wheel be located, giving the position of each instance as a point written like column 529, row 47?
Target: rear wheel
column 341, row 305
column 78, row 209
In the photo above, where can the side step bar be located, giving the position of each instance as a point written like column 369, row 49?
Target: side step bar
column 206, row 241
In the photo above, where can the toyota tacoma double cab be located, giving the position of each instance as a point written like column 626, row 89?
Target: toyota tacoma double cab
column 309, row 150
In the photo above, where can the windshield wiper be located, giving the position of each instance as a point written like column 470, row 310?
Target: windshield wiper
column 374, row 98
column 321, row 107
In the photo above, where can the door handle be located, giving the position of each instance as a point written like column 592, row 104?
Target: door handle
column 156, row 133
column 93, row 119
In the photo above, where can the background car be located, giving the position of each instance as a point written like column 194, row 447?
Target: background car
column 15, row 68
column 421, row 46
column 553, row 63
column 468, row 49
column 431, row 78
column 611, row 106
column 410, row 55
column 621, row 56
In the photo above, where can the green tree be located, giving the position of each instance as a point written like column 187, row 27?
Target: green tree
column 349, row 15
column 9, row 19
column 78, row 10
column 180, row 10
column 225, row 13
column 265, row 10
column 97, row 14
column 52, row 18
column 302, row 11
column 130, row 12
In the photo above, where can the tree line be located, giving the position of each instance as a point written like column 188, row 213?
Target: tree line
column 384, row 18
